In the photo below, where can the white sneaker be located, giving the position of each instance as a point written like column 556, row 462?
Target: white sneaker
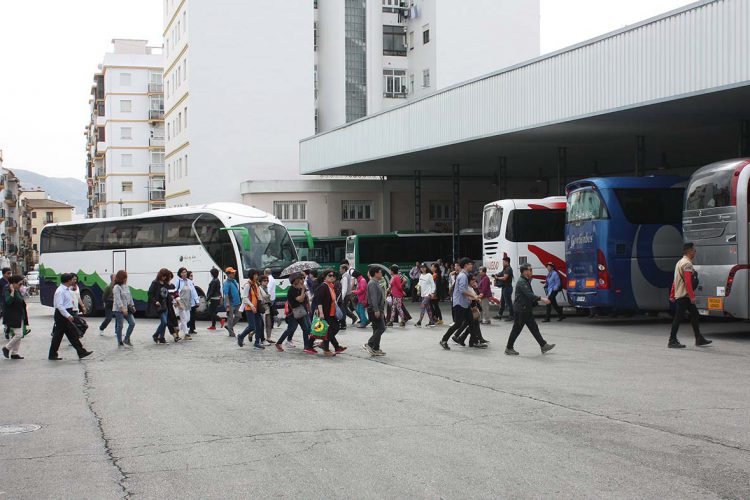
column 289, row 344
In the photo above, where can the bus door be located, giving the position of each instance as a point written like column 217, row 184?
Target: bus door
column 119, row 261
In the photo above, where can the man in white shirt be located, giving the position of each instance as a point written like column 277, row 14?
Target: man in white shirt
column 63, row 303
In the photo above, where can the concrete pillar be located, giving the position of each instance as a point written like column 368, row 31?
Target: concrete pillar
column 502, row 177
column 456, row 211
column 418, row 201
column 744, row 138
column 386, row 197
column 640, row 155
column 562, row 169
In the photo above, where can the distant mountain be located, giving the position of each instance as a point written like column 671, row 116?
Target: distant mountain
column 69, row 190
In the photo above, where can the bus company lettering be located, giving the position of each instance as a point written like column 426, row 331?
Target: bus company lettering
column 580, row 240
column 493, row 265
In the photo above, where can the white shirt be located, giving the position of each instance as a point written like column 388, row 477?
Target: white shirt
column 76, row 296
column 426, row 284
column 346, row 283
column 63, row 300
column 272, row 287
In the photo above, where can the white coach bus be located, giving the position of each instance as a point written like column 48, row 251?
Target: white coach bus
column 526, row 231
column 217, row 235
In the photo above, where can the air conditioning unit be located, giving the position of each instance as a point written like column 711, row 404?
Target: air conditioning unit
column 348, row 232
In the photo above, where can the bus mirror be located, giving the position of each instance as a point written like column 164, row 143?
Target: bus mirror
column 245, row 236
column 308, row 235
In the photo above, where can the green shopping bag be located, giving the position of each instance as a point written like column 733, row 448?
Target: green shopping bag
column 319, row 328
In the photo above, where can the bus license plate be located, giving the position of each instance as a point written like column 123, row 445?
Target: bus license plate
column 580, row 298
column 715, row 303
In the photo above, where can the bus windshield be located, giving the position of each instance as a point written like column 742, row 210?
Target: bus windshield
column 586, row 204
column 270, row 247
column 710, row 189
column 493, row 218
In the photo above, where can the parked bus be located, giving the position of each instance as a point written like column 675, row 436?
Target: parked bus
column 622, row 239
column 404, row 249
column 218, row 235
column 526, row 231
column 328, row 252
column 715, row 218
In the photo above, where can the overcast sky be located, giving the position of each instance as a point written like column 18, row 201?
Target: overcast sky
column 49, row 51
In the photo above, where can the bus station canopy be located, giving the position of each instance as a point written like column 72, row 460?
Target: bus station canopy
column 669, row 92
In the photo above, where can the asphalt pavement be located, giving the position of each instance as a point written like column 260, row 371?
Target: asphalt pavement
column 610, row 412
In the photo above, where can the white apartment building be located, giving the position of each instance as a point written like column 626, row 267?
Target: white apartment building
column 245, row 81
column 372, row 55
column 125, row 137
column 238, row 80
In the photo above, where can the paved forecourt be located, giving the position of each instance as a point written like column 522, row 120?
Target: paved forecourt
column 609, row 412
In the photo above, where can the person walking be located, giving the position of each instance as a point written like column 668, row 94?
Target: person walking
column 505, row 282
column 485, row 292
column 265, row 300
column 108, row 304
column 123, row 308
column 4, row 282
column 682, row 294
column 15, row 319
column 414, row 274
column 78, row 306
column 195, row 300
column 159, row 302
column 440, row 292
column 360, row 292
column 325, row 300
column 524, row 309
column 214, row 299
column 183, row 302
column 232, row 299
column 297, row 314
column 397, row 298
column 462, row 297
column 426, row 287
column 346, row 302
column 63, row 303
column 376, row 311
column 473, row 328
column 253, row 304
column 273, row 310
column 553, row 286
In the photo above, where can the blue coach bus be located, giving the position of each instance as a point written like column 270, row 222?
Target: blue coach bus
column 623, row 236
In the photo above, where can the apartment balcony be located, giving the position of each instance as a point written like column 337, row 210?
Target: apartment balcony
column 12, row 248
column 156, row 195
column 156, row 168
column 156, row 142
column 155, row 114
column 101, row 171
column 101, row 121
column 155, row 88
column 101, row 147
column 11, row 225
column 10, row 198
column 2, row 182
column 2, row 214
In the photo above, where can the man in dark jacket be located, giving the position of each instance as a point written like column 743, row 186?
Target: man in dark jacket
column 3, row 285
column 524, row 309
column 109, row 301
column 375, row 311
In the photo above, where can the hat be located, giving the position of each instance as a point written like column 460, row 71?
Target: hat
column 230, row 270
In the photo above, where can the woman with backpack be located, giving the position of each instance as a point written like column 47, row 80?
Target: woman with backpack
column 123, row 308
column 297, row 312
column 253, row 304
column 15, row 317
column 159, row 303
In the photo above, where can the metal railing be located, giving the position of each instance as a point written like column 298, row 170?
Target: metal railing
column 156, row 142
column 156, row 168
column 156, row 195
column 156, row 88
column 155, row 114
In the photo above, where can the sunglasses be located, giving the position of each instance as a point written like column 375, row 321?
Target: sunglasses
column 331, row 275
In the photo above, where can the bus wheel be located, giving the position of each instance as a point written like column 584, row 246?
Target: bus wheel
column 88, row 302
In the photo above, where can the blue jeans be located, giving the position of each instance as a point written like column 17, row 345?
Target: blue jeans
column 362, row 314
column 292, row 324
column 118, row 326
column 254, row 324
column 162, row 328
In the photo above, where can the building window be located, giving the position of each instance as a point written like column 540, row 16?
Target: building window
column 357, row 210
column 126, row 133
column 127, row 187
column 290, row 210
column 178, row 125
column 184, row 69
column 426, row 78
column 127, row 212
column 185, row 165
column 411, row 40
column 394, row 41
column 425, row 35
column 33, row 215
column 395, row 83
column 412, row 89
column 441, row 210
column 184, row 117
column 126, row 105
column 49, row 218
column 391, row 3
column 125, row 79
column 33, row 230
column 126, row 160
